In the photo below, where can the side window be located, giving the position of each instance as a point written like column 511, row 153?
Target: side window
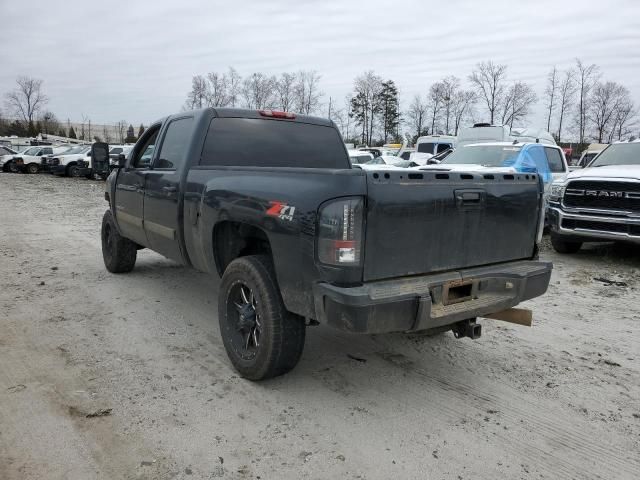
column 39, row 152
column 173, row 152
column 143, row 153
column 555, row 160
column 425, row 147
column 442, row 147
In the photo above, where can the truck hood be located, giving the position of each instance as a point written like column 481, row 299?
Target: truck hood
column 609, row 171
column 68, row 158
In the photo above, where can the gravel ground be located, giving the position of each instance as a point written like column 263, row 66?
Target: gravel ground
column 109, row 377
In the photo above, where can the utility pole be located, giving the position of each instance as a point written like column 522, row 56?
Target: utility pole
column 329, row 108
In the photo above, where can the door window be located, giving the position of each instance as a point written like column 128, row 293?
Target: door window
column 554, row 158
column 143, row 151
column 173, row 152
column 442, row 147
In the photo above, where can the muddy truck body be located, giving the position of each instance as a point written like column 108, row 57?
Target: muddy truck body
column 269, row 201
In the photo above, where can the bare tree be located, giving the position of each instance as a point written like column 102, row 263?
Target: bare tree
column 489, row 82
column 566, row 92
column 587, row 76
column 607, row 97
column 50, row 123
column 435, row 103
column 234, row 83
column 258, row 91
column 216, row 91
column 105, row 134
column 338, row 116
column 121, row 130
column 463, row 103
column 285, row 90
column 307, row 91
column 625, row 120
column 27, row 99
column 86, row 133
column 517, row 103
column 365, row 104
column 450, row 90
column 417, row 115
column 550, row 94
column 197, row 97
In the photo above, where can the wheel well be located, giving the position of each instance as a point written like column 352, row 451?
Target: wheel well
column 236, row 239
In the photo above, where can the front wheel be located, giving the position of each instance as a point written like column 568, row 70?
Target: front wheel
column 119, row 253
column 73, row 171
column 563, row 246
column 261, row 337
column 13, row 167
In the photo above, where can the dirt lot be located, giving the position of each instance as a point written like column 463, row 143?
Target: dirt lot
column 108, row 377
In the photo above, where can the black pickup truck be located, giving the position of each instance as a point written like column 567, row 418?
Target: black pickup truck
column 269, row 201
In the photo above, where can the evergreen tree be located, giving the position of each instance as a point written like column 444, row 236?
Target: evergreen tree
column 17, row 128
column 72, row 133
column 31, row 129
column 131, row 138
column 62, row 133
column 140, row 130
column 389, row 109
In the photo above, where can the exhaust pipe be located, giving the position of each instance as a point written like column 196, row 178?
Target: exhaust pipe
column 467, row 328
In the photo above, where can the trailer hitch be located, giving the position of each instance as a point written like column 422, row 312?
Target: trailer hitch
column 467, row 328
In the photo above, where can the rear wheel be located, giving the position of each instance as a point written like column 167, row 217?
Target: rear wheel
column 562, row 246
column 261, row 337
column 119, row 253
column 32, row 168
column 13, row 167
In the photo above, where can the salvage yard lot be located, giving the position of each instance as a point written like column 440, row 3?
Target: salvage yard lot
column 106, row 376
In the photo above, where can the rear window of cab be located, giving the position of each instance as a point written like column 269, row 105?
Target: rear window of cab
column 253, row 142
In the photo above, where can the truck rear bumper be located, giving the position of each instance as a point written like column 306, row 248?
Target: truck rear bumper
column 430, row 301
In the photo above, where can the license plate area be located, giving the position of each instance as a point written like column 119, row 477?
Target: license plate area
column 457, row 292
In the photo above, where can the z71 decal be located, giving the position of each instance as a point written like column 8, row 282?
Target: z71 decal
column 281, row 210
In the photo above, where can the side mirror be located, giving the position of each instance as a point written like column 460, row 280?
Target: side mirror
column 122, row 160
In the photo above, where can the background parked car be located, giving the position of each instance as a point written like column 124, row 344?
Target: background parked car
column 6, row 153
column 67, row 163
column 590, row 153
column 434, row 144
column 30, row 160
column 546, row 160
column 358, row 157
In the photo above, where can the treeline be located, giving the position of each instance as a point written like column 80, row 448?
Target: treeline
column 577, row 102
column 26, row 105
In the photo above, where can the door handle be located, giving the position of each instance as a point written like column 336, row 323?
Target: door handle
column 169, row 189
column 469, row 198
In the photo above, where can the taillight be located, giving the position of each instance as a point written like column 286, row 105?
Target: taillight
column 340, row 232
column 277, row 114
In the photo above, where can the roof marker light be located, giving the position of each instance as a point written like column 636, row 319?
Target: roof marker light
column 277, row 114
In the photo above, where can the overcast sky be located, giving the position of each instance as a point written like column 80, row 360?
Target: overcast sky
column 131, row 60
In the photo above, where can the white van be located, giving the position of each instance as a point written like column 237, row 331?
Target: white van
column 590, row 153
column 434, row 144
column 485, row 132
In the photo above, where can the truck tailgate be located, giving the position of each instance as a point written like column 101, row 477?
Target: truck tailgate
column 420, row 222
